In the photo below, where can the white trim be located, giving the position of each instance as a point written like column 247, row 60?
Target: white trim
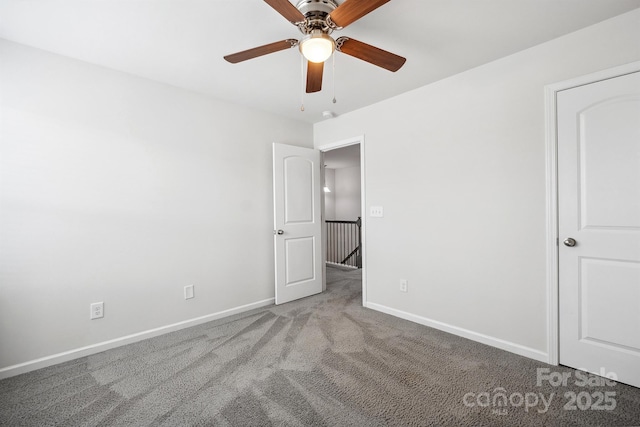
column 552, row 225
column 341, row 144
column 551, row 147
column 54, row 359
column 521, row 350
column 337, row 264
column 323, row 181
column 345, row 143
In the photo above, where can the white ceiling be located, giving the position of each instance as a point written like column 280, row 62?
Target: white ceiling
column 182, row 42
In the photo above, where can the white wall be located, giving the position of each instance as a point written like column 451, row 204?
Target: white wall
column 459, row 167
column 347, row 193
column 330, row 198
column 123, row 190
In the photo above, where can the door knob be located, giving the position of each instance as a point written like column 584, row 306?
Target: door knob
column 279, row 232
column 570, row 242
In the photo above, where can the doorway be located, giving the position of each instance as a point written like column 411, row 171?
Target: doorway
column 344, row 224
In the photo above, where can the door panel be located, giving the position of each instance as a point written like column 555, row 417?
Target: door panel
column 297, row 214
column 599, row 207
column 610, row 197
column 609, row 309
column 298, row 194
column 299, row 260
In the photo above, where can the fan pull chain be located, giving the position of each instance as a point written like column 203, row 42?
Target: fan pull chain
column 334, row 77
column 301, row 83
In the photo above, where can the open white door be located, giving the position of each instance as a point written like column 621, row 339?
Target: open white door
column 599, row 226
column 297, row 222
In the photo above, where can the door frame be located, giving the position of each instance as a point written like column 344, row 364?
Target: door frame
column 363, row 250
column 552, row 237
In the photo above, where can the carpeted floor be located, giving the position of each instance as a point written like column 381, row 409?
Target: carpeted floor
column 319, row 361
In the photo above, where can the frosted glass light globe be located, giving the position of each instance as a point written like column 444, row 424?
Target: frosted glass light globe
column 317, row 47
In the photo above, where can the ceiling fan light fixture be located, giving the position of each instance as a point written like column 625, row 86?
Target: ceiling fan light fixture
column 317, row 46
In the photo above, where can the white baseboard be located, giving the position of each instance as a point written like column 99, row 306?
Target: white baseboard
column 465, row 333
column 337, row 264
column 54, row 359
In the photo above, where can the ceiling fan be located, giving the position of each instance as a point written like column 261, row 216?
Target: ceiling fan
column 317, row 19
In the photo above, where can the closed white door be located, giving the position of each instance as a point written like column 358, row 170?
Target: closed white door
column 297, row 222
column 599, row 227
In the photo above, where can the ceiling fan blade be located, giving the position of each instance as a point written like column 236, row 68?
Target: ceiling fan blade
column 234, row 58
column 352, row 10
column 371, row 54
column 286, row 9
column 314, row 76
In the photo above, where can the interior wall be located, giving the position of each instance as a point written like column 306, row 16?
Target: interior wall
column 330, row 197
column 459, row 167
column 347, row 193
column 123, row 190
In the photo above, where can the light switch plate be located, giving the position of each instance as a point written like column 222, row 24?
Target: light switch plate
column 376, row 211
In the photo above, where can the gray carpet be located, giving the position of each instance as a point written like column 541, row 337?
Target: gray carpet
column 320, row 361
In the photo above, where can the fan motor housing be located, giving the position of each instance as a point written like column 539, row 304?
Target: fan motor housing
column 314, row 6
column 316, row 12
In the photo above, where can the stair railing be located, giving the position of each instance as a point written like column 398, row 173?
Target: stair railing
column 344, row 242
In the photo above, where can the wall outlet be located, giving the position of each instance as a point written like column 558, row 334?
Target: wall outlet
column 97, row 310
column 376, row 211
column 188, row 292
column 404, row 285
